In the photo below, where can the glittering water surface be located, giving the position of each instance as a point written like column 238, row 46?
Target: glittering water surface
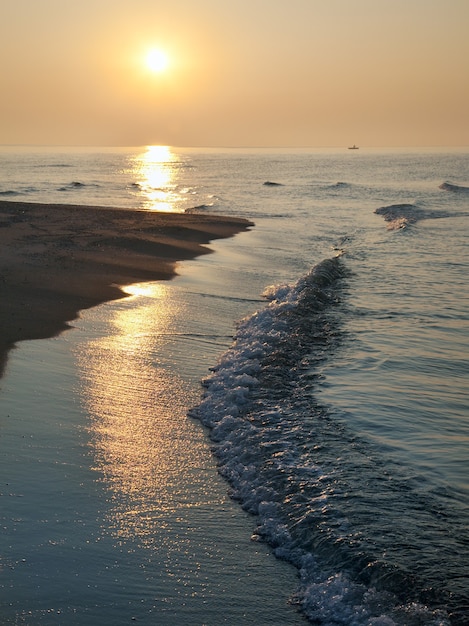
column 338, row 416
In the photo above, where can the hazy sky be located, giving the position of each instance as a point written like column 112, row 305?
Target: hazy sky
column 240, row 72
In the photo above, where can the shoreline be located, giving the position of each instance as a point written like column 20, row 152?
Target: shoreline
column 58, row 259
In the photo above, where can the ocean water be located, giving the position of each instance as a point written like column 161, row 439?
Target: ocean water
column 318, row 363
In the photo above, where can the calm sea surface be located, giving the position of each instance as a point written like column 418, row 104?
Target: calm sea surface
column 332, row 345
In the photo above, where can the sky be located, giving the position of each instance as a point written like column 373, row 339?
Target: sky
column 261, row 73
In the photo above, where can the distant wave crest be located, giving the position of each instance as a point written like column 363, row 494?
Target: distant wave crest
column 199, row 207
column 454, row 188
column 340, row 185
column 75, row 185
column 400, row 215
column 51, row 165
column 17, row 192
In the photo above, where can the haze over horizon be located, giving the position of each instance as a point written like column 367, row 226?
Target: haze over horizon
column 258, row 73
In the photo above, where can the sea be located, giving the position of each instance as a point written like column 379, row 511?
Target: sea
column 278, row 435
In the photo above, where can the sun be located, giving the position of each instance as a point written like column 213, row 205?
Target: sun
column 157, row 60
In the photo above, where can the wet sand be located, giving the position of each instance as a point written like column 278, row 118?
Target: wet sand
column 56, row 260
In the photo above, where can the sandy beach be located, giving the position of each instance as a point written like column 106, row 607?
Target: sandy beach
column 56, row 260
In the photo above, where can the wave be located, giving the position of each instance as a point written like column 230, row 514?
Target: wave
column 339, row 185
column 71, row 186
column 199, row 207
column 51, row 165
column 400, row 215
column 18, row 192
column 309, row 481
column 75, row 185
column 454, row 188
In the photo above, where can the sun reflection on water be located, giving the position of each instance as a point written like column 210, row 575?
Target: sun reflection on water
column 155, row 172
column 136, row 406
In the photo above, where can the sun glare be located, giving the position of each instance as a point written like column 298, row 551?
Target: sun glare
column 157, row 60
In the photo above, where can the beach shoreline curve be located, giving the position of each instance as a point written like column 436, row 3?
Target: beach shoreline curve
column 59, row 259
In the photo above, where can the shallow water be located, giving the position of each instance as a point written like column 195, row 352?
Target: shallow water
column 342, row 429
column 112, row 506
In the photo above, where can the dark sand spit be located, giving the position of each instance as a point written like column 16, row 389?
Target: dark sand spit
column 58, row 259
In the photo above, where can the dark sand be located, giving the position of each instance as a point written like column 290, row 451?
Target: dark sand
column 58, row 259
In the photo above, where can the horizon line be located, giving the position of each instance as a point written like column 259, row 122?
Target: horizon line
column 230, row 147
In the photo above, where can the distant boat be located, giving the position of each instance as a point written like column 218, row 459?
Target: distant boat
column 354, row 147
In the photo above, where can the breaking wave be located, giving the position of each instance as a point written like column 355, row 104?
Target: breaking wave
column 310, row 482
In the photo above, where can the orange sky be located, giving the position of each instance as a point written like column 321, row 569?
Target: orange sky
column 244, row 73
